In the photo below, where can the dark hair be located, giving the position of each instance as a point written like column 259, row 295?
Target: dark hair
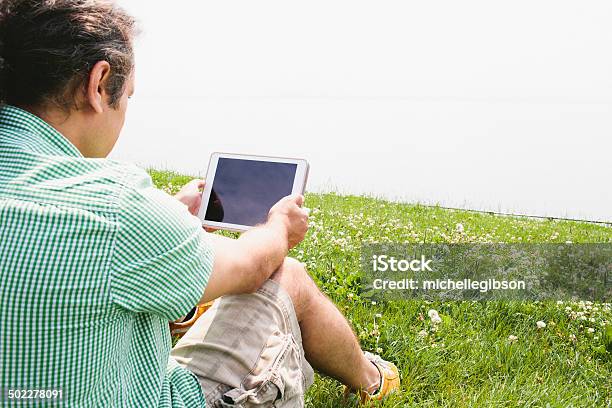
column 48, row 48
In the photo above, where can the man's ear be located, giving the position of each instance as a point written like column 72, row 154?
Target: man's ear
column 96, row 95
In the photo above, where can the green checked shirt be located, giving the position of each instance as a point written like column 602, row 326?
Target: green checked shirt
column 94, row 262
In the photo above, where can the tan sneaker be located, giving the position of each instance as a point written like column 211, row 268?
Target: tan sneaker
column 180, row 326
column 389, row 380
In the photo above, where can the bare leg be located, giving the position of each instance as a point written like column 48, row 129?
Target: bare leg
column 329, row 342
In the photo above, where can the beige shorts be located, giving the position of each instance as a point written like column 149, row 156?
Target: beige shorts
column 246, row 351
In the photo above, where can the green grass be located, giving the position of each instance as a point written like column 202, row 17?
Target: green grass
column 468, row 359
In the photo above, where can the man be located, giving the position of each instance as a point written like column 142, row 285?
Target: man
column 95, row 261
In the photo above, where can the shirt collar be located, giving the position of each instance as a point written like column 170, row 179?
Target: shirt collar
column 38, row 134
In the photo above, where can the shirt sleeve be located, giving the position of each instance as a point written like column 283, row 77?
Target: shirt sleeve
column 162, row 258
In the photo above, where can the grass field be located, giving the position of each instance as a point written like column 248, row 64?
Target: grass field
column 485, row 354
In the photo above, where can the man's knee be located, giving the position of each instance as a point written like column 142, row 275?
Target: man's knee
column 295, row 280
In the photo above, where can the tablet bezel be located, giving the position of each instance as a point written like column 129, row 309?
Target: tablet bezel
column 299, row 184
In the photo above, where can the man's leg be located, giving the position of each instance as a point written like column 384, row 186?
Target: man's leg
column 246, row 351
column 329, row 343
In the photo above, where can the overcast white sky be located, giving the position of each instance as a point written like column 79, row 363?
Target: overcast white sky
column 478, row 104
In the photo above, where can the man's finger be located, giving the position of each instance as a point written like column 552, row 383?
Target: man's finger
column 299, row 200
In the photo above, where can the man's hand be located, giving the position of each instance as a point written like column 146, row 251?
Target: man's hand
column 289, row 213
column 191, row 195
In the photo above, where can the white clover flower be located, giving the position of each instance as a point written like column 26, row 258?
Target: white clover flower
column 540, row 324
column 559, row 302
column 379, row 315
column 512, row 338
column 423, row 333
column 572, row 337
column 459, row 228
column 591, row 330
column 434, row 316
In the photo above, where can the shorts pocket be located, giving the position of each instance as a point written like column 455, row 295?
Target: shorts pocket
column 277, row 380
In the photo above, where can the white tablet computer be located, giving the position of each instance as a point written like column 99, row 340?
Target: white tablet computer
column 240, row 189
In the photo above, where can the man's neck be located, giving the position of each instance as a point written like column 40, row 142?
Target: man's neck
column 69, row 124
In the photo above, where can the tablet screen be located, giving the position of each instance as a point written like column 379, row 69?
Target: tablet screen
column 243, row 191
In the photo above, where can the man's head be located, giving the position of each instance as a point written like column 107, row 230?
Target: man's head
column 70, row 62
